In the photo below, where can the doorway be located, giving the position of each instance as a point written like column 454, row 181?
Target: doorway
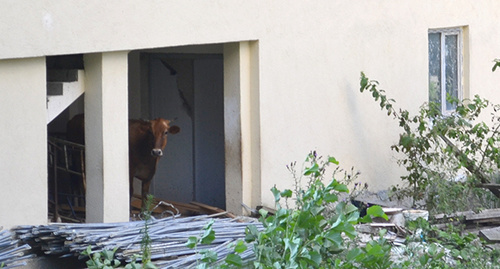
column 189, row 90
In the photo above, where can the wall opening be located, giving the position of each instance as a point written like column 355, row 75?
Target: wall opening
column 212, row 93
column 66, row 196
column 188, row 89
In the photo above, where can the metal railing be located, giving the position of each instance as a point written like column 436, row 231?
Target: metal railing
column 66, row 163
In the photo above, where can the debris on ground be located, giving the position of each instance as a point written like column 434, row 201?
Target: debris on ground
column 165, row 208
column 169, row 233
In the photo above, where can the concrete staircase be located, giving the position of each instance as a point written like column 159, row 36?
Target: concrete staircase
column 64, row 86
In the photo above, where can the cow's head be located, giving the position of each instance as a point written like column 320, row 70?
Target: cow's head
column 160, row 128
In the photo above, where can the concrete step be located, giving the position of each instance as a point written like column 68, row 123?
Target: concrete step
column 54, row 88
column 70, row 92
column 62, row 75
column 56, row 78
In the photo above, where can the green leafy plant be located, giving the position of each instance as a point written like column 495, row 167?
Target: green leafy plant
column 452, row 248
column 208, row 256
column 303, row 237
column 496, row 65
column 105, row 259
column 376, row 254
column 101, row 260
column 438, row 148
column 234, row 259
column 146, row 239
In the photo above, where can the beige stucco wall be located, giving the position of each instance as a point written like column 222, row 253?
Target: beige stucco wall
column 106, row 136
column 23, row 161
column 310, row 54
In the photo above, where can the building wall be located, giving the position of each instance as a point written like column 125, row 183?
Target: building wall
column 23, row 142
column 310, row 58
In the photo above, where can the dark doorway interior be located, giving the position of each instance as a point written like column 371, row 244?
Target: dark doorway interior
column 188, row 89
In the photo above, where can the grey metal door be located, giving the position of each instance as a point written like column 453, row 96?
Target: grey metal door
column 189, row 90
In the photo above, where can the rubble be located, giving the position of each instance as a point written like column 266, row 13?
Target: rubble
column 485, row 223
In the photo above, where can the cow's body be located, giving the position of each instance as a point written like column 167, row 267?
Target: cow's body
column 147, row 139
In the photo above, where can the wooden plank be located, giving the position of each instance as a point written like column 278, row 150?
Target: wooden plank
column 487, row 214
column 184, row 209
column 392, row 210
column 491, row 235
column 184, row 206
column 489, row 185
column 491, row 216
column 214, row 209
column 382, row 224
column 75, row 208
column 179, row 205
column 453, row 215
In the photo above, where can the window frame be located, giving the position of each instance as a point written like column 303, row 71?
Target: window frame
column 458, row 31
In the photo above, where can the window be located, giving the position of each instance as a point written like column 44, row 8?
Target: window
column 445, row 67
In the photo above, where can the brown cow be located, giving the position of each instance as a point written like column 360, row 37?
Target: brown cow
column 147, row 139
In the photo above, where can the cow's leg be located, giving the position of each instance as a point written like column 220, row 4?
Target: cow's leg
column 145, row 191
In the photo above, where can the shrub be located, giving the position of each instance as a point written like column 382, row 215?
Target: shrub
column 304, row 236
column 438, row 148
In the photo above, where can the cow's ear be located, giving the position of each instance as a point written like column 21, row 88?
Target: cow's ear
column 174, row 129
